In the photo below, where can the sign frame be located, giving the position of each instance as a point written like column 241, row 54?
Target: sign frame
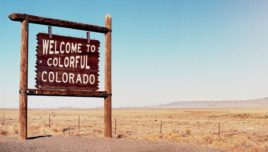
column 24, row 91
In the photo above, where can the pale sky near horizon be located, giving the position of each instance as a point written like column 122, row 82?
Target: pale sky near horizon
column 163, row 51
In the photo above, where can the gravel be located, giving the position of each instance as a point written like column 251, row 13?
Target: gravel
column 86, row 144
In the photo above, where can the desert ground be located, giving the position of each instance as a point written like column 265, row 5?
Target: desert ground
column 223, row 129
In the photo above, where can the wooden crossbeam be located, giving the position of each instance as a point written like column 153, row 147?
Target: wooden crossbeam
column 70, row 93
column 57, row 22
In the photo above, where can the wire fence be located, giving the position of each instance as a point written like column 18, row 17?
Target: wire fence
column 132, row 127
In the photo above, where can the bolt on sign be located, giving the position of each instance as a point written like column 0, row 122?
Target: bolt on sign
column 67, row 63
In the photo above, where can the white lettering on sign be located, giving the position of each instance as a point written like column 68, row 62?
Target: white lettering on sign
column 92, row 79
column 43, row 76
column 49, row 61
column 68, row 77
column 51, row 43
column 51, row 47
column 91, row 48
column 80, row 61
column 45, row 46
column 61, row 47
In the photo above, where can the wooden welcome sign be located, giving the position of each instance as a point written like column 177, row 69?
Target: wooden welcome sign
column 65, row 66
column 67, row 62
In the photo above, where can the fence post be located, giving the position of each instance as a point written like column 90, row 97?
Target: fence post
column 49, row 120
column 4, row 119
column 78, row 123
column 219, row 129
column 161, row 126
column 115, row 126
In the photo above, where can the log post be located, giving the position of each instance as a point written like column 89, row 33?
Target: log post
column 49, row 120
column 160, row 127
column 3, row 119
column 219, row 129
column 78, row 123
column 23, row 80
column 108, row 78
column 115, row 126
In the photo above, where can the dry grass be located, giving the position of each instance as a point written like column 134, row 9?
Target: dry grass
column 241, row 129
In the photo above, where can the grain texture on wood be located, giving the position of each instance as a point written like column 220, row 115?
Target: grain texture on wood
column 108, row 79
column 57, row 22
column 23, row 81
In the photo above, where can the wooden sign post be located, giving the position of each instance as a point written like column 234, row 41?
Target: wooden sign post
column 108, row 79
column 23, row 79
column 71, row 77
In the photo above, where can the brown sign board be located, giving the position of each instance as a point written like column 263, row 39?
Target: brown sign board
column 67, row 63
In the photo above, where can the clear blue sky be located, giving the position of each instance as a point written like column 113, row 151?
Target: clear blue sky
column 163, row 51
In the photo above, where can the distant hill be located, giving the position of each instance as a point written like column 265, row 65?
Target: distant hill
column 255, row 103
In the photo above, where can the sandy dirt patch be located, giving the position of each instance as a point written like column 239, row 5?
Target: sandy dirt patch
column 84, row 144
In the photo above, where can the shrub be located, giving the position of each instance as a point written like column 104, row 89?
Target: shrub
column 188, row 132
column 3, row 132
